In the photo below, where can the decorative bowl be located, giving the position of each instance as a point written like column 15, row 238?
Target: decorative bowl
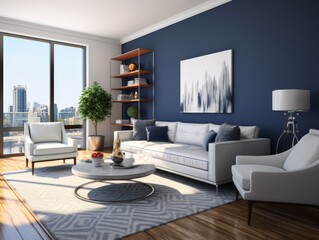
column 97, row 161
column 117, row 160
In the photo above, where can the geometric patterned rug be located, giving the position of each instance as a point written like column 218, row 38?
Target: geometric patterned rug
column 50, row 194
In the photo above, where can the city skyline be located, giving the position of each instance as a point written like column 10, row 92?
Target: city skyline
column 27, row 63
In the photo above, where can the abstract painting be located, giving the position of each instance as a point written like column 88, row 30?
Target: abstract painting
column 206, row 84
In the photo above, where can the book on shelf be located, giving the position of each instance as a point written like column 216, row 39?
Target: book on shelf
column 130, row 82
column 140, row 81
column 124, row 97
column 124, row 69
column 122, row 121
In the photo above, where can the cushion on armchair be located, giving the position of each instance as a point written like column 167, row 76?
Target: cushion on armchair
column 45, row 132
column 303, row 154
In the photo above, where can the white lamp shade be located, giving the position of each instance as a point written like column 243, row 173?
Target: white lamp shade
column 290, row 100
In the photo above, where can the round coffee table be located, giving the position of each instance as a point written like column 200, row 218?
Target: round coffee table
column 125, row 188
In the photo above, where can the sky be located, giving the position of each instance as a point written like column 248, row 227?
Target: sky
column 27, row 63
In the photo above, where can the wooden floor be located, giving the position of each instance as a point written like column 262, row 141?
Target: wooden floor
column 269, row 221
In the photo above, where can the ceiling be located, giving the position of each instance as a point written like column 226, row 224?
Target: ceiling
column 116, row 19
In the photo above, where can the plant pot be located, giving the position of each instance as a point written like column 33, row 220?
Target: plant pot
column 96, row 143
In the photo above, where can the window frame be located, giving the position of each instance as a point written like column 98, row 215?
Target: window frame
column 51, row 105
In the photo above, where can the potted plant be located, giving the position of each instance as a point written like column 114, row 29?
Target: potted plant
column 95, row 104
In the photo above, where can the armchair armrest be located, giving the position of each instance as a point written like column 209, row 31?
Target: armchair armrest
column 297, row 186
column 73, row 142
column 222, row 155
column 276, row 160
column 124, row 135
column 28, row 146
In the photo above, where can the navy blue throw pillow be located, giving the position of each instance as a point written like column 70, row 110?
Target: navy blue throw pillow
column 139, row 131
column 157, row 134
column 209, row 138
column 228, row 132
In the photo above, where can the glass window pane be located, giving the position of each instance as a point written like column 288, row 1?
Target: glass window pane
column 26, row 98
column 68, row 83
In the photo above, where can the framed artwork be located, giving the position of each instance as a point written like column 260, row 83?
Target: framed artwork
column 206, row 84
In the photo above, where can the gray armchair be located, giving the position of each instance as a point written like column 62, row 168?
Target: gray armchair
column 48, row 142
column 289, row 177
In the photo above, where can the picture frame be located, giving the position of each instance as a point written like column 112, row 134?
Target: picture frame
column 206, row 83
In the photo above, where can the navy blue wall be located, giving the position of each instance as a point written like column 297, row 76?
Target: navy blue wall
column 275, row 46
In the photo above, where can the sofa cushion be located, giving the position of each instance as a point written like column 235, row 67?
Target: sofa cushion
column 45, row 132
column 249, row 132
column 191, row 133
column 139, row 131
column 172, row 126
column 135, row 146
column 157, row 134
column 214, row 127
column 228, row 132
column 209, row 138
column 304, row 153
column 51, row 148
column 188, row 155
column 242, row 173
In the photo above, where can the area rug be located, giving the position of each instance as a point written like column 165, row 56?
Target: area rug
column 50, row 194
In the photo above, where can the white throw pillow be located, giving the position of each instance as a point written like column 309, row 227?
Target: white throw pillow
column 249, row 132
column 214, row 127
column 171, row 129
column 191, row 133
column 46, row 132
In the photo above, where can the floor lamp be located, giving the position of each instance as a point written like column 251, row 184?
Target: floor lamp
column 290, row 101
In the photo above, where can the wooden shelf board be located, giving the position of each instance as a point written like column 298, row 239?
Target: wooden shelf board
column 132, row 86
column 132, row 74
column 133, row 100
column 132, row 54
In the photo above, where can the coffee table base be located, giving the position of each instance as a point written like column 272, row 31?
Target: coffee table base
column 124, row 191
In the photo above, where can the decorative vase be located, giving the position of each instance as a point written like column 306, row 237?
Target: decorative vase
column 96, row 143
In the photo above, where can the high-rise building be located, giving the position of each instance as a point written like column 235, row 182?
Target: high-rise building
column 19, row 99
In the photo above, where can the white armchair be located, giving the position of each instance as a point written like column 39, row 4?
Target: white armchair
column 289, row 177
column 48, row 142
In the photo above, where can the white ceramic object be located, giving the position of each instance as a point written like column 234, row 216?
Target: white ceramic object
column 97, row 162
column 128, row 162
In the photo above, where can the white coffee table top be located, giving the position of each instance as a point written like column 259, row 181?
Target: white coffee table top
column 106, row 172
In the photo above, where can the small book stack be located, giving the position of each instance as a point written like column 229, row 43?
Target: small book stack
column 122, row 121
column 140, row 81
column 124, row 97
column 124, row 69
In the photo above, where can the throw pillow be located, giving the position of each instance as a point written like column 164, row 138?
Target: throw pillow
column 157, row 134
column 228, row 132
column 209, row 138
column 139, row 131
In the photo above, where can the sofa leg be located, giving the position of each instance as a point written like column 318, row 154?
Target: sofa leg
column 250, row 209
column 237, row 195
column 63, row 160
column 74, row 161
column 26, row 162
column 32, row 163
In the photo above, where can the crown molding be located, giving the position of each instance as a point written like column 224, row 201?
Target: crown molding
column 35, row 26
column 177, row 18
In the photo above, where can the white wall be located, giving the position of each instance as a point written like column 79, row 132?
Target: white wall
column 99, row 52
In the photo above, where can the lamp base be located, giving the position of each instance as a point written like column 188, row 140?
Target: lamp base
column 289, row 137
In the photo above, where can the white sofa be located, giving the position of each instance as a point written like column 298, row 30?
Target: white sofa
column 185, row 155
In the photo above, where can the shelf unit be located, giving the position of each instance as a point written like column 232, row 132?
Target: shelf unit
column 141, row 57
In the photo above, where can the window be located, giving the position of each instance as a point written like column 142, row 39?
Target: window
column 41, row 81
